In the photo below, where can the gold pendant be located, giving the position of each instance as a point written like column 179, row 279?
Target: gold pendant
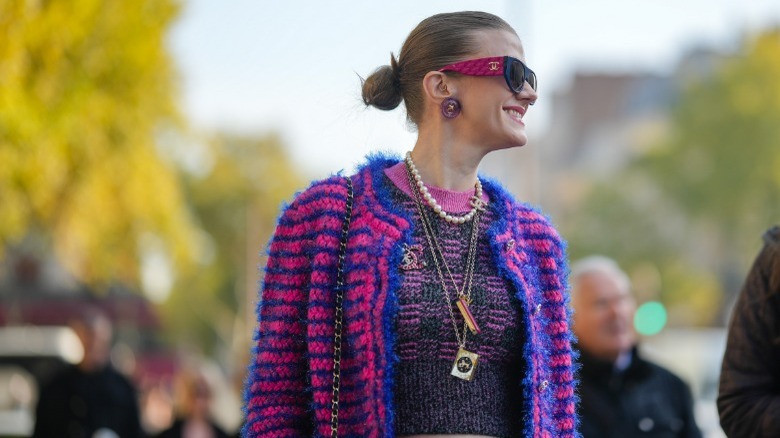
column 468, row 317
column 465, row 364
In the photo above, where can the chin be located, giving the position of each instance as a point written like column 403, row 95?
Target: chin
column 521, row 143
column 514, row 140
column 517, row 138
column 516, row 143
column 627, row 345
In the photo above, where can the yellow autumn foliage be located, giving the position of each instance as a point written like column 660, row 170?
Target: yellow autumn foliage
column 86, row 87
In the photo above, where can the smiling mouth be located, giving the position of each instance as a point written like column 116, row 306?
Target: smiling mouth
column 515, row 115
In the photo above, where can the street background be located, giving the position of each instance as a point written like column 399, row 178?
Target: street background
column 146, row 149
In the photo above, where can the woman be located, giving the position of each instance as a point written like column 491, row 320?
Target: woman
column 193, row 419
column 454, row 309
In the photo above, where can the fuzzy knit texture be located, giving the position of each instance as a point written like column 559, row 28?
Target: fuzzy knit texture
column 289, row 382
column 428, row 400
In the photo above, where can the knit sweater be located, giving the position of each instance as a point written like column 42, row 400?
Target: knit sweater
column 428, row 399
column 289, row 382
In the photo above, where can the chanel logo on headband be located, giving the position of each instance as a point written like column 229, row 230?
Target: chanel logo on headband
column 493, row 65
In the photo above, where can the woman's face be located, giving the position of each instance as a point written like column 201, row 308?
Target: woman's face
column 492, row 114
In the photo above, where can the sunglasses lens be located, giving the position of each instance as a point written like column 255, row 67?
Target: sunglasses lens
column 519, row 74
column 531, row 78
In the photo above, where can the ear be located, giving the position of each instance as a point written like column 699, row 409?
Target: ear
column 437, row 86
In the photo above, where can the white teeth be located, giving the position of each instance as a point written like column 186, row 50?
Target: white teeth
column 515, row 113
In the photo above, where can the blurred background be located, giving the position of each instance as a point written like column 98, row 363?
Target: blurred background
column 146, row 148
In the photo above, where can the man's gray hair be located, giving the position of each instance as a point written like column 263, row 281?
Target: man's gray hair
column 598, row 264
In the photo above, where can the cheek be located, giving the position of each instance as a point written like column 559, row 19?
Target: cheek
column 627, row 312
column 488, row 99
column 606, row 324
column 596, row 323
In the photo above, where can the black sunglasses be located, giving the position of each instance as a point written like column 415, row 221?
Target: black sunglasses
column 515, row 72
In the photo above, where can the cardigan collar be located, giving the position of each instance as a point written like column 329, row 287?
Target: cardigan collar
column 376, row 164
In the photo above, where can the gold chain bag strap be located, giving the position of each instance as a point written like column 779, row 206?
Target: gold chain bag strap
column 334, row 414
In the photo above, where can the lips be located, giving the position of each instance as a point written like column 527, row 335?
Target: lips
column 516, row 113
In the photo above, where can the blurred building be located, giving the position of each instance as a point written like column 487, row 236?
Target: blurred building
column 599, row 123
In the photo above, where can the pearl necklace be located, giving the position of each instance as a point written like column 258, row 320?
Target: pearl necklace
column 476, row 201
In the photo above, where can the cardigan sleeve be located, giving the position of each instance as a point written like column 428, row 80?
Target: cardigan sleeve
column 557, row 393
column 749, row 393
column 564, row 358
column 277, row 397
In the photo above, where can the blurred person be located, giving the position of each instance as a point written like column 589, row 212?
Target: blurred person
column 454, row 309
column 156, row 405
column 622, row 395
column 749, row 392
column 90, row 399
column 193, row 400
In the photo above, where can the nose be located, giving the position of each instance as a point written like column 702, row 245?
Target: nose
column 528, row 93
column 616, row 309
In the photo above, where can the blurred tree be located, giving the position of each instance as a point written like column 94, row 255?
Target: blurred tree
column 721, row 163
column 695, row 205
column 236, row 194
column 85, row 88
column 631, row 220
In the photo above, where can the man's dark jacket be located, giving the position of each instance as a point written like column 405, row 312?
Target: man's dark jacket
column 644, row 400
column 76, row 404
column 749, row 394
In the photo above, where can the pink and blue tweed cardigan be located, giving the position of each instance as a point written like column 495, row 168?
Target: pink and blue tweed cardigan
column 288, row 387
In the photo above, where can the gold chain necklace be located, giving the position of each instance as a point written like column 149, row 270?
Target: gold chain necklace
column 465, row 361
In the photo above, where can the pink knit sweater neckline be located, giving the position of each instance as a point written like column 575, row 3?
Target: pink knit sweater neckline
column 451, row 201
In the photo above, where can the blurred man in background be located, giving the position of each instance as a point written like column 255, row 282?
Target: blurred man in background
column 91, row 399
column 749, row 393
column 622, row 395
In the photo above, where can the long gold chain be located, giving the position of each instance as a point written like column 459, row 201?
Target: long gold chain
column 434, row 245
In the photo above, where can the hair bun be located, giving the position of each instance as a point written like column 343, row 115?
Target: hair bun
column 396, row 72
column 382, row 89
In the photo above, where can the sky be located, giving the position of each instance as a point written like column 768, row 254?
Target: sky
column 293, row 67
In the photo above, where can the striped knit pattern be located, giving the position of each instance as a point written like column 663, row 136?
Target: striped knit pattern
column 288, row 386
column 428, row 399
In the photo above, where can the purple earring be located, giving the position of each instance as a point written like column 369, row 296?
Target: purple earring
column 450, row 108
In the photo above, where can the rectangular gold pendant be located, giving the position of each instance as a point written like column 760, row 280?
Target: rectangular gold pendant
column 465, row 364
column 468, row 317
